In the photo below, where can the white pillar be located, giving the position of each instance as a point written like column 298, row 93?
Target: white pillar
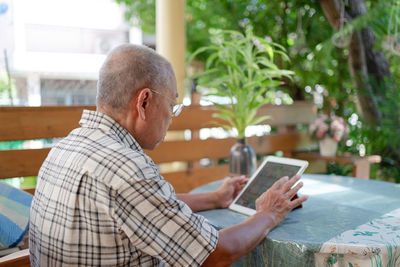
column 170, row 34
column 33, row 86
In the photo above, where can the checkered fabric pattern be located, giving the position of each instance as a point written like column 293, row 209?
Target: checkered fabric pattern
column 100, row 200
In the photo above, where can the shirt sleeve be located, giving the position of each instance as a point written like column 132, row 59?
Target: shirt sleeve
column 160, row 225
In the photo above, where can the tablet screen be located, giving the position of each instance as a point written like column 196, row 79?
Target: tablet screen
column 271, row 172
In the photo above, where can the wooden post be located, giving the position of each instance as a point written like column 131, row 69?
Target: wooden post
column 170, row 37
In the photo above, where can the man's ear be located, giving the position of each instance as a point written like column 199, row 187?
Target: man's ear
column 143, row 101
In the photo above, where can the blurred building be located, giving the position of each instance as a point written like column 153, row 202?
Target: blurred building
column 56, row 47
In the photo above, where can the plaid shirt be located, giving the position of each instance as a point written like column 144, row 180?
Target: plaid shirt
column 100, row 200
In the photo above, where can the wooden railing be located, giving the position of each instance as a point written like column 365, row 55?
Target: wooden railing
column 27, row 123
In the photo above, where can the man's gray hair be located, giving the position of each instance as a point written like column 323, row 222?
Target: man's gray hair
column 127, row 69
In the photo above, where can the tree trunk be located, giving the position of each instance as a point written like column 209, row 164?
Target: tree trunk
column 358, row 69
column 368, row 68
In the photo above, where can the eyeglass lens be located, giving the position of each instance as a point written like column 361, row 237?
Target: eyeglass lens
column 177, row 109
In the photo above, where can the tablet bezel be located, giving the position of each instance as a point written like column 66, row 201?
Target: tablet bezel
column 288, row 161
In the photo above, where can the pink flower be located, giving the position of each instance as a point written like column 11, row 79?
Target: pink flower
column 323, row 126
column 321, row 130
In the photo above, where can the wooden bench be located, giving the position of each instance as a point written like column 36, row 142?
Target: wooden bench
column 27, row 123
column 16, row 259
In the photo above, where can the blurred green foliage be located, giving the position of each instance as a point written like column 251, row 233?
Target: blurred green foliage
column 22, row 182
column 321, row 67
column 4, row 86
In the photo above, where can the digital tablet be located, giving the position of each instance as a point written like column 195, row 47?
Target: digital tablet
column 271, row 170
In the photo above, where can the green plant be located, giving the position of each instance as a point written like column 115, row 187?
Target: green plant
column 5, row 91
column 241, row 67
column 3, row 83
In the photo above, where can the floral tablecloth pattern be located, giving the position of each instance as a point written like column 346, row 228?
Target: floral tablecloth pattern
column 375, row 243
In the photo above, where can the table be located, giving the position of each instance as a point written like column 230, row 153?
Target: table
column 345, row 222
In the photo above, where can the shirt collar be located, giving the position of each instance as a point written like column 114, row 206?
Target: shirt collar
column 97, row 120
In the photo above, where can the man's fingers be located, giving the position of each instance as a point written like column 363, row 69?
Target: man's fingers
column 298, row 201
column 290, row 194
column 278, row 184
column 239, row 179
column 290, row 183
column 232, row 179
column 241, row 184
column 244, row 181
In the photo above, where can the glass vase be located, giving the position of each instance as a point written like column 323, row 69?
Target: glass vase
column 242, row 159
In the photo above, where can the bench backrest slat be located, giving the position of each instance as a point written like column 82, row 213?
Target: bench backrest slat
column 26, row 123
column 21, row 162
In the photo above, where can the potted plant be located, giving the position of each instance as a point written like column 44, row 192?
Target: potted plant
column 329, row 130
column 241, row 68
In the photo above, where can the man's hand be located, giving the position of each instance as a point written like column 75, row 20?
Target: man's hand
column 277, row 201
column 272, row 207
column 227, row 192
column 221, row 198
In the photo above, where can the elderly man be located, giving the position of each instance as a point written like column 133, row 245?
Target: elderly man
column 100, row 199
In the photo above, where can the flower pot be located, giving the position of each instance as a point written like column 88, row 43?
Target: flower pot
column 242, row 159
column 327, row 147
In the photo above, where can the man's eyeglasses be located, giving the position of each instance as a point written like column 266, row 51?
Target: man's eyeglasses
column 176, row 110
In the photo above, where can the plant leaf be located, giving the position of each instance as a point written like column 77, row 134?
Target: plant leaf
column 260, row 119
